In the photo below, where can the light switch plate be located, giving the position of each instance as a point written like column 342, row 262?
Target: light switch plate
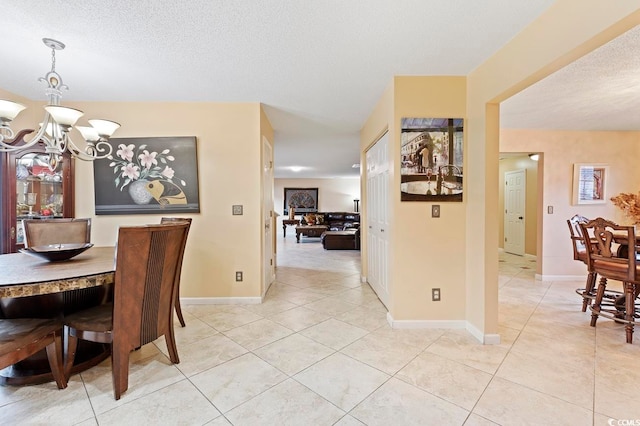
column 435, row 210
column 237, row 209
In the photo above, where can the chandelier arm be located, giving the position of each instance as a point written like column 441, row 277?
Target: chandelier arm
column 101, row 149
column 6, row 134
column 40, row 135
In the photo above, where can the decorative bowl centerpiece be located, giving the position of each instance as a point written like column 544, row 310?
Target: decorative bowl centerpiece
column 57, row 252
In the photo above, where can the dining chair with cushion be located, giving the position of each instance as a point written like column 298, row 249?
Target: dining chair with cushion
column 147, row 260
column 177, row 295
column 41, row 232
column 21, row 338
column 603, row 260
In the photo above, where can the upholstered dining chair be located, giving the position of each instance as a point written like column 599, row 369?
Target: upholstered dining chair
column 56, row 231
column 147, row 259
column 580, row 254
column 22, row 337
column 603, row 260
column 177, row 290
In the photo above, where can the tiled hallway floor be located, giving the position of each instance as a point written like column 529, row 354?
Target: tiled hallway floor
column 319, row 351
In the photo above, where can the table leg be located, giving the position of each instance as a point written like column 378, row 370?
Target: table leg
column 284, row 229
column 297, row 236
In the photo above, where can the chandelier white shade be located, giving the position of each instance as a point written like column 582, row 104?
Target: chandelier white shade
column 58, row 121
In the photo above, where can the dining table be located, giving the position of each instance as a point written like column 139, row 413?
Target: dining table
column 32, row 287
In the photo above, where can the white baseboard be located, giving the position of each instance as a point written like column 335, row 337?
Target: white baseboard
column 485, row 339
column 220, row 300
column 560, row 277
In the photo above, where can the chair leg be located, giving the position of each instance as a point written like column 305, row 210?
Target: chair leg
column 176, row 303
column 629, row 294
column 71, row 344
column 54, row 354
column 170, row 339
column 588, row 291
column 595, row 309
column 119, row 370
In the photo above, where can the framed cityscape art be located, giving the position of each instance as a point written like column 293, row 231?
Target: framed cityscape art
column 431, row 161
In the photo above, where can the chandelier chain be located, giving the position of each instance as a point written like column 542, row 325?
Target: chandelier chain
column 53, row 60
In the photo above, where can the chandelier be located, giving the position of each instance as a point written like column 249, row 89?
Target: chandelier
column 57, row 123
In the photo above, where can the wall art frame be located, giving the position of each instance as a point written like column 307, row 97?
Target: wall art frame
column 303, row 200
column 431, row 159
column 590, row 183
column 148, row 175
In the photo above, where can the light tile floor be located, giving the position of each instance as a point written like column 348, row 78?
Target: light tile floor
column 319, row 351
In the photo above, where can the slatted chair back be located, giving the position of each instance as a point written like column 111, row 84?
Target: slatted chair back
column 178, row 307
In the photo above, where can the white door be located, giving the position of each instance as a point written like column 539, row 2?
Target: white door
column 267, row 215
column 514, row 206
column 378, row 218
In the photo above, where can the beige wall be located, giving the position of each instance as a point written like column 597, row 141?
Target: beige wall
column 510, row 164
column 562, row 149
column 334, row 194
column 426, row 252
column 229, row 138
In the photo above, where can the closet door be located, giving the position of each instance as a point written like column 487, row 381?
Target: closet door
column 378, row 218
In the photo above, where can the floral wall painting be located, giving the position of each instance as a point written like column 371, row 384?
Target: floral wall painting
column 589, row 183
column 431, row 166
column 303, row 200
column 148, row 175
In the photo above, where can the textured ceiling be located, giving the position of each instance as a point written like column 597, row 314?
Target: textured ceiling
column 319, row 67
column 600, row 91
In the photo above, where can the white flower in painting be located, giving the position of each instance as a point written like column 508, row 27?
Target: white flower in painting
column 125, row 152
column 131, row 171
column 148, row 159
column 168, row 172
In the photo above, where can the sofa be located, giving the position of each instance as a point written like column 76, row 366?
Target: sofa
column 334, row 221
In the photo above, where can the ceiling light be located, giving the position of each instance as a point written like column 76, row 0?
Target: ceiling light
column 58, row 121
column 534, row 157
column 295, row 168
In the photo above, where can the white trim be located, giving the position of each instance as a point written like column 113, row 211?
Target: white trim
column 560, row 277
column 221, row 300
column 485, row 339
column 416, row 324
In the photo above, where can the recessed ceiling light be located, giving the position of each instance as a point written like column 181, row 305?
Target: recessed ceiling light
column 534, row 157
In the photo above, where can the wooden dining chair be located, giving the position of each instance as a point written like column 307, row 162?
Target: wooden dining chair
column 147, row 259
column 21, row 338
column 40, row 232
column 177, row 290
column 580, row 254
column 603, row 260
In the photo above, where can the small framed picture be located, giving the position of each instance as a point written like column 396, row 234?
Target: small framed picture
column 590, row 183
